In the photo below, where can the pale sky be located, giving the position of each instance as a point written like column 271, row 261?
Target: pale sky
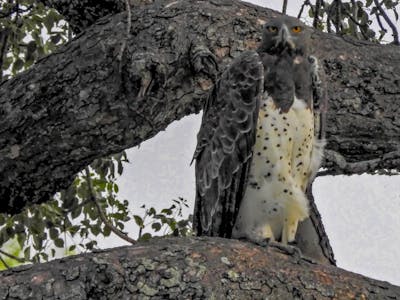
column 360, row 213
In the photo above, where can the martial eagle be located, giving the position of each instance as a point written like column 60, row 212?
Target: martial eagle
column 261, row 139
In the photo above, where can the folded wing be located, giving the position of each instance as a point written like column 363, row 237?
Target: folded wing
column 225, row 142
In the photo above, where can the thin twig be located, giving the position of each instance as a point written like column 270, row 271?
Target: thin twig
column 378, row 18
column 18, row 259
column 284, row 6
column 352, row 17
column 103, row 217
column 4, row 262
column 353, row 23
column 395, row 34
column 306, row 2
column 67, row 211
column 329, row 17
column 338, row 16
column 3, row 49
column 316, row 14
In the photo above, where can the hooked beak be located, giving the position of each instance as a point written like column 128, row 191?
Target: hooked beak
column 285, row 38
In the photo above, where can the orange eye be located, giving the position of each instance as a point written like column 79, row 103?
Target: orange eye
column 272, row 29
column 296, row 29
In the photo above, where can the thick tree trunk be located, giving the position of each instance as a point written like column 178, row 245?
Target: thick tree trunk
column 82, row 102
column 190, row 268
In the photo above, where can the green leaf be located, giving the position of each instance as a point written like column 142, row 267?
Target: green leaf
column 76, row 212
column 95, row 229
column 138, row 220
column 106, row 231
column 156, row 226
column 6, row 64
column 311, row 13
column 53, row 232
column 38, row 241
column 27, row 253
column 145, row 237
column 49, row 21
column 59, row 243
column 73, row 229
column 18, row 64
column 90, row 245
column 31, row 47
column 152, row 211
column 93, row 214
column 44, row 256
column 120, row 225
column 21, row 238
column 167, row 211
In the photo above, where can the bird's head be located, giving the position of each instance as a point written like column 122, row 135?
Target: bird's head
column 285, row 34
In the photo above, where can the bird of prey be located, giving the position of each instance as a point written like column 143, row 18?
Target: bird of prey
column 261, row 140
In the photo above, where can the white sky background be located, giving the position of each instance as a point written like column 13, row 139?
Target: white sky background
column 360, row 213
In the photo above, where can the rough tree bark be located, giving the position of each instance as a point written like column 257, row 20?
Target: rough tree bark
column 104, row 92
column 195, row 268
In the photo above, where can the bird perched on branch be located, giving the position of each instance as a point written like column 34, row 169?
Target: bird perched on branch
column 261, row 139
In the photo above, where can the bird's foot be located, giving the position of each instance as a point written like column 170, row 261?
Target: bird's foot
column 289, row 249
column 264, row 242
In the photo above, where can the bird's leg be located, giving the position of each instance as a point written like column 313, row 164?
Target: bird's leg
column 261, row 237
column 290, row 249
column 289, row 230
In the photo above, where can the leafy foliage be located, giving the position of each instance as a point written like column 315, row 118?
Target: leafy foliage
column 28, row 31
column 354, row 17
column 168, row 221
column 70, row 223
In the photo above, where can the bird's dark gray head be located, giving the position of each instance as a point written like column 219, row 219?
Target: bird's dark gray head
column 285, row 33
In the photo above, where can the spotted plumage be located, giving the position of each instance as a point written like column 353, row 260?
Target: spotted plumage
column 259, row 144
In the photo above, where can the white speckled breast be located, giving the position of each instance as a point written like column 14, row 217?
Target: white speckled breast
column 275, row 199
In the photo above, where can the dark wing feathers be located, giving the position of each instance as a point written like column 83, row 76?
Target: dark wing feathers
column 225, row 142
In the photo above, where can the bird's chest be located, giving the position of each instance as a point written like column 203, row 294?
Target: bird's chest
column 286, row 79
column 282, row 151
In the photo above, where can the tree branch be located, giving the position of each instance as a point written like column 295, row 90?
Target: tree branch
column 190, row 268
column 316, row 14
column 284, row 6
column 18, row 259
column 3, row 49
column 306, row 2
column 337, row 163
column 395, row 33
